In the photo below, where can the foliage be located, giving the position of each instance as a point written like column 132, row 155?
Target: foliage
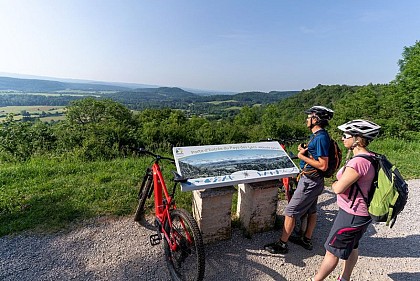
column 54, row 173
column 97, row 129
column 22, row 140
column 49, row 193
column 407, row 83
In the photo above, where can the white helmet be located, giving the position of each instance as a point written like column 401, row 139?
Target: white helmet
column 363, row 128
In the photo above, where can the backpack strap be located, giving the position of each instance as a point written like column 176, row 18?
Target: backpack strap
column 304, row 169
column 358, row 190
column 367, row 199
column 314, row 171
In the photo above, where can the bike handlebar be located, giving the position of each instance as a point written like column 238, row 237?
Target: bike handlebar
column 283, row 141
column 157, row 157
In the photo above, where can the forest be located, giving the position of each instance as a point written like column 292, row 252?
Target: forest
column 106, row 127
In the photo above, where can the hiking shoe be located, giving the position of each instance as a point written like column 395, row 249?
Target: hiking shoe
column 277, row 248
column 302, row 241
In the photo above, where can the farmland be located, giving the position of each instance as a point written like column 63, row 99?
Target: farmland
column 44, row 113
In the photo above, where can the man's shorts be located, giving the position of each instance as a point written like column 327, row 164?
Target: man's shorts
column 305, row 197
column 345, row 234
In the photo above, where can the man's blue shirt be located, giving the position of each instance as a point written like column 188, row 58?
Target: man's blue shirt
column 318, row 146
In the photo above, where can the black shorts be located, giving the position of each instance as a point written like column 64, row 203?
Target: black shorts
column 345, row 234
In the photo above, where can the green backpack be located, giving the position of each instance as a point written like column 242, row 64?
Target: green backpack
column 388, row 193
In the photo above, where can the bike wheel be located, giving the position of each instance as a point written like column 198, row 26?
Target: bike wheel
column 186, row 261
column 144, row 193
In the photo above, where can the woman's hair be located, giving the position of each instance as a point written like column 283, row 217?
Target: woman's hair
column 361, row 141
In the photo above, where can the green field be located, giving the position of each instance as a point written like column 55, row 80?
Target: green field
column 221, row 102
column 50, row 112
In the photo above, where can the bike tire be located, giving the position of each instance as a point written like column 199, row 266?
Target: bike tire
column 144, row 193
column 187, row 262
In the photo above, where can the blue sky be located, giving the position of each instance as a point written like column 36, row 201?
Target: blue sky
column 215, row 45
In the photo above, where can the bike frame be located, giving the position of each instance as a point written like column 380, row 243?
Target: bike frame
column 286, row 180
column 160, row 190
column 163, row 204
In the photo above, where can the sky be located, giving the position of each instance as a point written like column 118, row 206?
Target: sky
column 221, row 45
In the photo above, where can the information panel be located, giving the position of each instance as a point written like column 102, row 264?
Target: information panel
column 223, row 165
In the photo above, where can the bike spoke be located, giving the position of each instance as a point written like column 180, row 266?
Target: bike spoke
column 186, row 258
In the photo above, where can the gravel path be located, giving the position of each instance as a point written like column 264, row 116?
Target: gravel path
column 118, row 249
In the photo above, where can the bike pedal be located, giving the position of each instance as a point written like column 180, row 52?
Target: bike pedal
column 155, row 239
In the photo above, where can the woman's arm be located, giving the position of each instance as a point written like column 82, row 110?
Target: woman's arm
column 347, row 179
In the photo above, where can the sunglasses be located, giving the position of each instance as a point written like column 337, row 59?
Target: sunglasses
column 346, row 136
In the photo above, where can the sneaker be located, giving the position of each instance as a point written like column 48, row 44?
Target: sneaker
column 277, row 248
column 302, row 241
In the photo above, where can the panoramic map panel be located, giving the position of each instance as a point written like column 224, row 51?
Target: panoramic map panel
column 225, row 165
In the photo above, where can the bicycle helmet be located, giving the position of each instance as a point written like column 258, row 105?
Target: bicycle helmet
column 363, row 128
column 321, row 112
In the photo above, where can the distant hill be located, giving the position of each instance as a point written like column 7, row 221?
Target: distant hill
column 31, row 83
column 256, row 97
column 162, row 94
column 29, row 92
column 166, row 97
column 37, row 85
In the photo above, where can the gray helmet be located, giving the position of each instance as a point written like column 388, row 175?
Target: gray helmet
column 321, row 112
column 363, row 128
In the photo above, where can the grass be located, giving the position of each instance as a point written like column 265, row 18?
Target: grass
column 403, row 154
column 221, row 102
column 34, row 111
column 52, row 118
column 48, row 194
column 233, row 108
column 31, row 109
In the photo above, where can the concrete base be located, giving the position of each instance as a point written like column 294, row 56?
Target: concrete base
column 257, row 205
column 212, row 211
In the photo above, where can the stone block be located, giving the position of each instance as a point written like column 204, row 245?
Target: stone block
column 212, row 211
column 257, row 205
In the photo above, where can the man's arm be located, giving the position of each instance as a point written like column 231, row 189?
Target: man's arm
column 320, row 164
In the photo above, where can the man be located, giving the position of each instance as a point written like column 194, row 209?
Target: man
column 313, row 161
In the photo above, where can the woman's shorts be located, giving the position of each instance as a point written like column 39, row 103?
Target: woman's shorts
column 345, row 234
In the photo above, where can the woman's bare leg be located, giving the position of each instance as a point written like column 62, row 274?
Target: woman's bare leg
column 327, row 266
column 349, row 264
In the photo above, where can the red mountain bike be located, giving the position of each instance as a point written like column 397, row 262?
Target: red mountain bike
column 289, row 183
column 183, row 243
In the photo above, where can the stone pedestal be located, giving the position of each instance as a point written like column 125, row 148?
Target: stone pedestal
column 257, row 205
column 212, row 211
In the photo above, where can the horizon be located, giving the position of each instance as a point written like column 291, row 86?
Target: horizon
column 216, row 46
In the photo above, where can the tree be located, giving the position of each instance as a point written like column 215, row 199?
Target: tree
column 98, row 128
column 407, row 83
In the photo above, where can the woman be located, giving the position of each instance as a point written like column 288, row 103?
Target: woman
column 353, row 218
